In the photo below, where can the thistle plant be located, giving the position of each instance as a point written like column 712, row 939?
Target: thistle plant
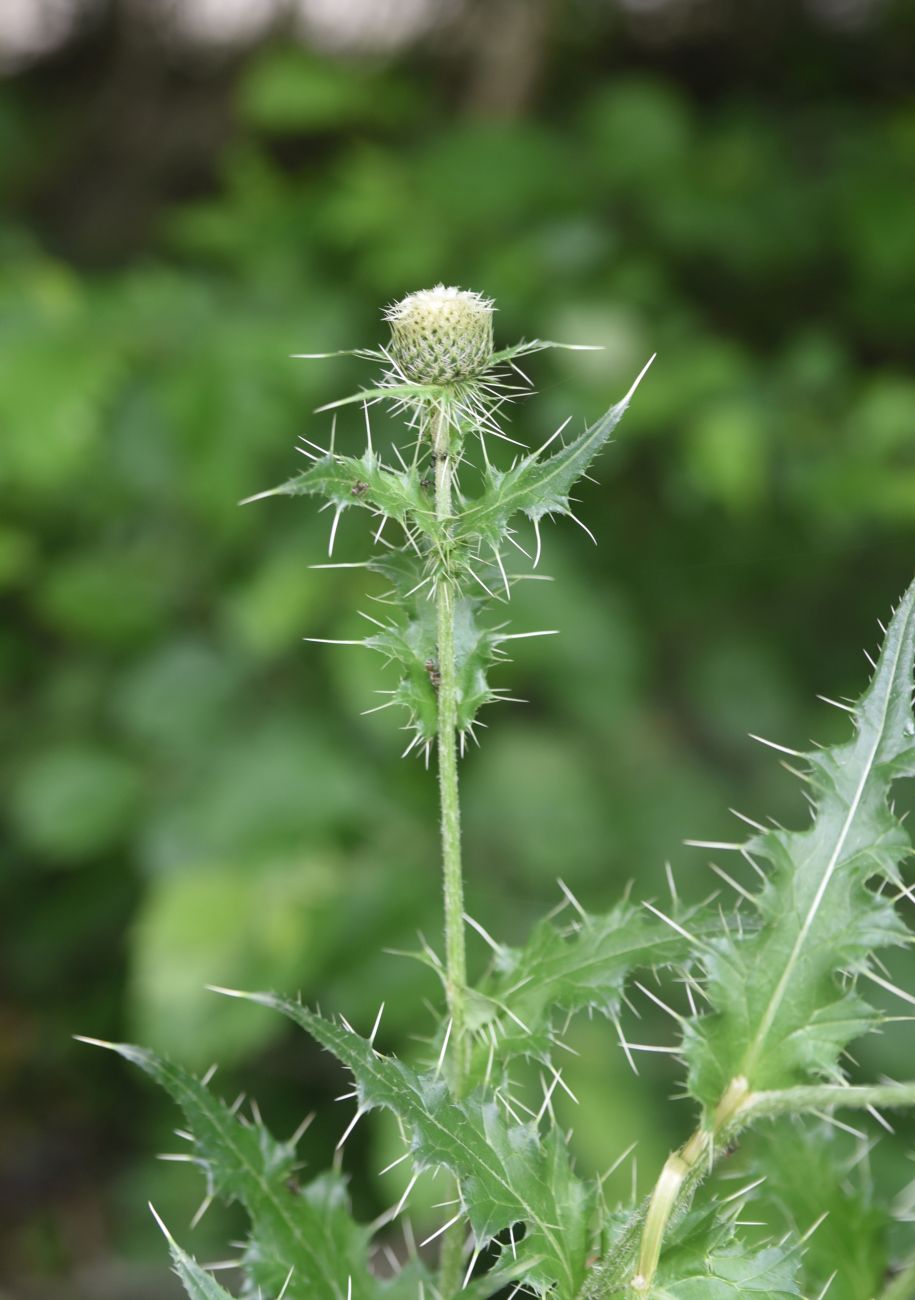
column 772, row 990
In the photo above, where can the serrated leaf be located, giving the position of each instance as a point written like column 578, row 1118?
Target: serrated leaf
column 428, row 394
column 337, row 1259
column 728, row 1276
column 364, row 481
column 308, row 1229
column 571, row 968
column 408, row 636
column 508, row 1172
column 199, row 1284
column 410, row 639
column 537, row 485
column 703, row 1260
column 780, row 1016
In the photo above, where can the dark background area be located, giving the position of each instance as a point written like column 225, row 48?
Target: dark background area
column 190, row 193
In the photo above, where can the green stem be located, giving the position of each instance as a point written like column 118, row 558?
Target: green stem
column 452, row 875
column 678, row 1175
column 825, row 1096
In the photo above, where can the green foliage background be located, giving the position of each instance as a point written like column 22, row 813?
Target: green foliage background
column 190, row 794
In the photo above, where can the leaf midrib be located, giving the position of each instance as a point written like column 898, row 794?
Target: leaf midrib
column 229, row 1139
column 772, row 1007
column 549, row 470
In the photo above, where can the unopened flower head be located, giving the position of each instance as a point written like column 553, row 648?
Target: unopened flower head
column 441, row 335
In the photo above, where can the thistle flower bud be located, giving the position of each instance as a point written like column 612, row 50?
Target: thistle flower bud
column 440, row 335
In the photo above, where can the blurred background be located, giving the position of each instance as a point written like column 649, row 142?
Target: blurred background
column 194, row 189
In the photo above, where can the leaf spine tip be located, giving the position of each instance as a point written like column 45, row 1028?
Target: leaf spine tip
column 201, row 1210
column 162, row 1228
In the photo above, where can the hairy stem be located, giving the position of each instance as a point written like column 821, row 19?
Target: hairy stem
column 452, row 875
column 824, row 1096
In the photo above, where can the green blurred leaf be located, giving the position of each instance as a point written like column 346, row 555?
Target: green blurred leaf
column 178, row 696
column 274, row 789
column 815, row 1170
column 112, row 596
column 727, row 454
column 287, row 90
column 73, row 802
column 58, row 377
column 274, row 924
column 17, row 556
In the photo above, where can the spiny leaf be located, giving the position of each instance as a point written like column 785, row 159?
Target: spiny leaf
column 336, row 1264
column 537, row 486
column 410, row 639
column 703, row 1260
column 507, row 1171
column 407, row 635
column 571, row 968
column 364, row 481
column 430, row 394
column 197, row 1282
column 527, row 346
column 779, row 1015
column 729, row 1275
column 457, row 394
column 308, row 1229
